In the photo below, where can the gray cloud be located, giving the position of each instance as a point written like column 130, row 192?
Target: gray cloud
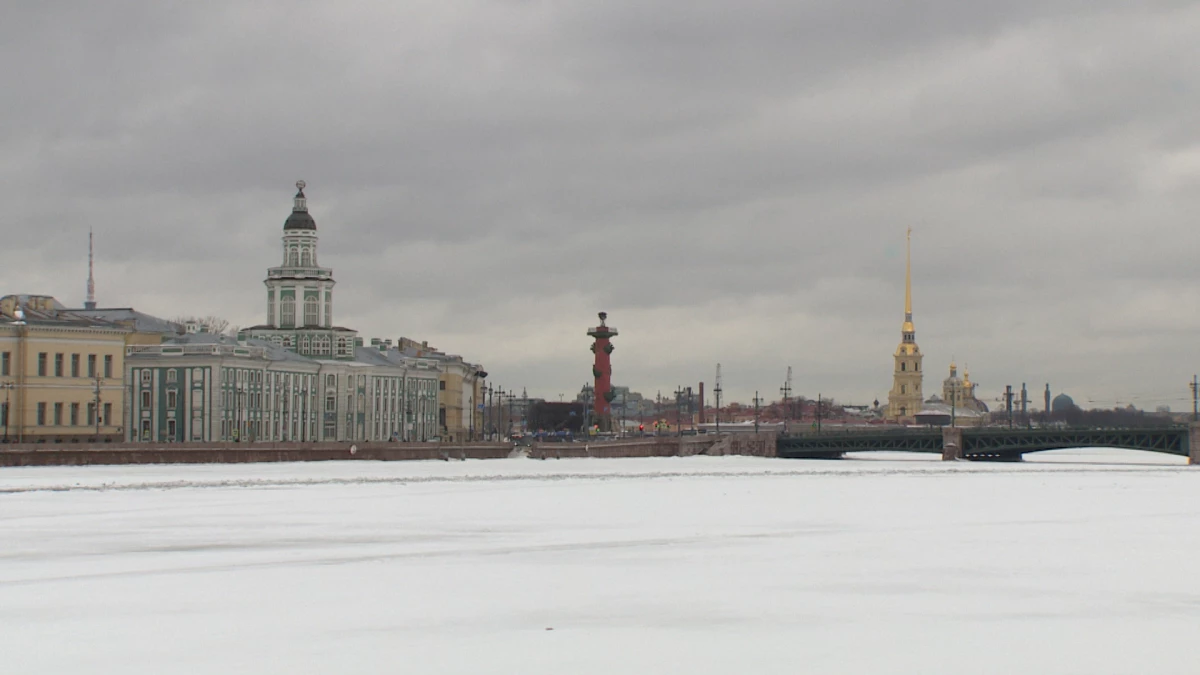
column 730, row 181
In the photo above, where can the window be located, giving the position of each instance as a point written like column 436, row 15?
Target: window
column 171, row 428
column 41, row 414
column 58, row 365
column 58, row 414
column 146, row 377
column 442, row 417
column 287, row 317
column 3, row 414
column 270, row 308
column 902, row 366
column 145, row 400
column 310, row 311
column 172, row 400
column 330, row 403
column 903, row 389
column 108, row 365
column 108, row 415
column 91, row 414
column 74, row 365
column 91, row 365
column 42, row 364
column 293, row 257
column 441, row 385
column 305, row 257
column 74, row 414
column 331, row 381
column 145, row 430
column 172, row 376
column 5, row 363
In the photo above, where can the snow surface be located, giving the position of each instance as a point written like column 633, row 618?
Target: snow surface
column 1072, row 562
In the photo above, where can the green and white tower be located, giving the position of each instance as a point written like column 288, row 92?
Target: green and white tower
column 300, row 294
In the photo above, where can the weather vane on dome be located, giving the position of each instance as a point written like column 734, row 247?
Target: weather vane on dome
column 300, row 185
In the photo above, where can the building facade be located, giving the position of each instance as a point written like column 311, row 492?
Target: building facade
column 295, row 378
column 905, row 399
column 60, row 373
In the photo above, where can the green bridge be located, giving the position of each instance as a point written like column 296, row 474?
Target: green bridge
column 988, row 443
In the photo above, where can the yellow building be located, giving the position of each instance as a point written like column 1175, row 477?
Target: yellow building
column 61, row 374
column 905, row 400
column 460, row 391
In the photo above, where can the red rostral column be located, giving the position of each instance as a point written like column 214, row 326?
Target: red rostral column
column 602, row 348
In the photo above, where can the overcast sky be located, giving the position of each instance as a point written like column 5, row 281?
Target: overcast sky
column 730, row 181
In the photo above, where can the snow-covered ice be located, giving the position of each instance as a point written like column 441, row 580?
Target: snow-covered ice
column 1072, row 562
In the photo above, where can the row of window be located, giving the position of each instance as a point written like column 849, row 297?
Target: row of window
column 67, row 415
column 303, row 257
column 172, row 430
column 287, row 312
column 60, row 364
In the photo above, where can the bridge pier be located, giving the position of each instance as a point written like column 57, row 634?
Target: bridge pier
column 1194, row 443
column 952, row 443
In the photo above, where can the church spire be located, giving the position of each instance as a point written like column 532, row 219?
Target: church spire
column 90, row 301
column 907, row 330
column 908, row 277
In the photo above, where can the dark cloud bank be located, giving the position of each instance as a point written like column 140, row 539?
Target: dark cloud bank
column 730, row 181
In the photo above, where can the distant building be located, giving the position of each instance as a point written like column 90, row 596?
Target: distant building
column 959, row 393
column 1063, row 403
column 60, row 372
column 460, row 391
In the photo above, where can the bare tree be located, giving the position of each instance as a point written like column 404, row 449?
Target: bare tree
column 210, row 323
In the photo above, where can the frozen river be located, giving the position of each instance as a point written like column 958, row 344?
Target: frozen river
column 1072, row 562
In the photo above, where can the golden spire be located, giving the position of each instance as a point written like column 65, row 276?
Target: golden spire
column 908, row 276
column 908, row 329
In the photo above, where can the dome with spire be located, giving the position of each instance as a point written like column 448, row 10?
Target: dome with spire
column 300, row 218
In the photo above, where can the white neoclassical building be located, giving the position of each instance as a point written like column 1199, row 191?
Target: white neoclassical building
column 297, row 377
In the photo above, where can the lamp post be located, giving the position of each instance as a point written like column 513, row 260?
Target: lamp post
column 786, row 392
column 1195, row 400
column 8, row 387
column 757, row 402
column 587, row 410
column 286, row 403
column 679, row 410
column 96, row 403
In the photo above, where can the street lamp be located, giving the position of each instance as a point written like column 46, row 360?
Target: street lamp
column 8, row 387
column 96, row 403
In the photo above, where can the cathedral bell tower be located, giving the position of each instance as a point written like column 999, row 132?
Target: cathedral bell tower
column 906, row 398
